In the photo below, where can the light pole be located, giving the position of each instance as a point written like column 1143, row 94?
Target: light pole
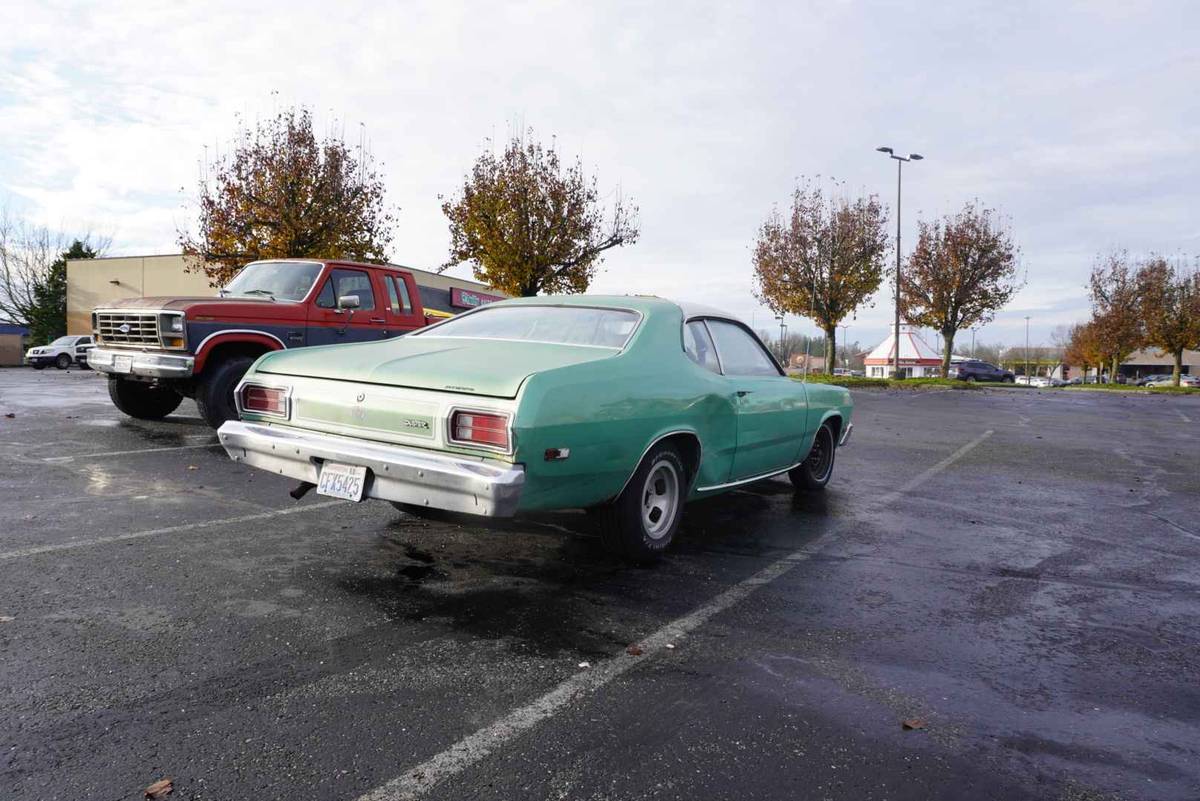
column 973, row 330
column 845, row 348
column 1027, row 349
column 899, row 166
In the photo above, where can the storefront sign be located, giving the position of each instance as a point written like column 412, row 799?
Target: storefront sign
column 463, row 299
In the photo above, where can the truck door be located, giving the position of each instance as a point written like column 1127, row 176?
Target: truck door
column 329, row 325
column 404, row 311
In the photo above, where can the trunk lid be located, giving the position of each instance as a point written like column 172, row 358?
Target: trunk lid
column 487, row 367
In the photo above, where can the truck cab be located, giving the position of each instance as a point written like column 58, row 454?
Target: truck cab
column 158, row 350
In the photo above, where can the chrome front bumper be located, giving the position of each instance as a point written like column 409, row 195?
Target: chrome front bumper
column 143, row 363
column 845, row 435
column 407, row 475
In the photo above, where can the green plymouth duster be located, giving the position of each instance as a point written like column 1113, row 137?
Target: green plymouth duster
column 629, row 406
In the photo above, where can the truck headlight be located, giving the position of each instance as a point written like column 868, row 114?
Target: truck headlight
column 170, row 329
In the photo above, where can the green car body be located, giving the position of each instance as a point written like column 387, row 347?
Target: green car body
column 581, row 417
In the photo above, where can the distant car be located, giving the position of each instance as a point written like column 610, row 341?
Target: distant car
column 1146, row 379
column 974, row 370
column 1040, row 381
column 62, row 353
column 1168, row 381
column 842, row 371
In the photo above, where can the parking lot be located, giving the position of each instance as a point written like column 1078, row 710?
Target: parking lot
column 1015, row 573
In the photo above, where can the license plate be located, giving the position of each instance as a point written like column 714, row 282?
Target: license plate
column 342, row 481
column 122, row 364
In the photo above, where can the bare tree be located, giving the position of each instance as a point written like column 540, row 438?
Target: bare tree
column 824, row 261
column 33, row 268
column 962, row 271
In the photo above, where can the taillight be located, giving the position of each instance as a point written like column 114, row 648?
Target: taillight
column 480, row 428
column 265, row 400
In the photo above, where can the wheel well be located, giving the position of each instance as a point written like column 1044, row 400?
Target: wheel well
column 688, row 445
column 228, row 350
column 835, row 423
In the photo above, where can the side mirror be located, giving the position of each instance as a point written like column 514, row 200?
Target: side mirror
column 348, row 302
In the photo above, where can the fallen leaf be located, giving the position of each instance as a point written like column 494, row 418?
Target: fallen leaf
column 634, row 650
column 913, row 723
column 671, row 645
column 162, row 787
column 585, row 664
column 10, row 415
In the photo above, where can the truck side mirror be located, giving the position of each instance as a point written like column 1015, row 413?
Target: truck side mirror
column 348, row 302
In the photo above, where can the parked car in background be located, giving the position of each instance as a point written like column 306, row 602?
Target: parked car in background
column 1147, row 379
column 62, row 353
column 1035, row 381
column 157, row 351
column 976, row 370
column 1169, row 381
column 628, row 406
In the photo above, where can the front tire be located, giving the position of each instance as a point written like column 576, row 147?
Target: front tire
column 63, row 361
column 641, row 523
column 814, row 472
column 214, row 396
column 143, row 401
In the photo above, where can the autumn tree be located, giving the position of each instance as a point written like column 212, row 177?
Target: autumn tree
column 823, row 260
column 1169, row 301
column 283, row 192
column 527, row 224
column 961, row 272
column 1116, row 310
column 33, row 274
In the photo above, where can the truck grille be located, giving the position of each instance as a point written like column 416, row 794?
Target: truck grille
column 127, row 328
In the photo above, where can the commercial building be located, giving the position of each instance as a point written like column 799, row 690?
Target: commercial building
column 917, row 359
column 93, row 283
column 13, row 341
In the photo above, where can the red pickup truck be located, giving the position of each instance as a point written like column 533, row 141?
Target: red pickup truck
column 156, row 351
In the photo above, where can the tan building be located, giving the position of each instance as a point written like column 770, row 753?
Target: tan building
column 92, row 283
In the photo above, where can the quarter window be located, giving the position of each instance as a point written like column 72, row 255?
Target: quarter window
column 401, row 304
column 740, row 353
column 347, row 282
column 699, row 346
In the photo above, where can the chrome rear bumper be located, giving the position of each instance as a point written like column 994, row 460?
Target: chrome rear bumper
column 406, row 475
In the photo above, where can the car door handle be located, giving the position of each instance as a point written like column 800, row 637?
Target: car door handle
column 741, row 393
column 378, row 320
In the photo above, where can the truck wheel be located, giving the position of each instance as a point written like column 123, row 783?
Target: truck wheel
column 143, row 401
column 817, row 468
column 214, row 396
column 63, row 361
column 640, row 524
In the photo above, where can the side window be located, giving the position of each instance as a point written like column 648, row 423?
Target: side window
column 698, row 346
column 740, row 353
column 347, row 282
column 399, row 301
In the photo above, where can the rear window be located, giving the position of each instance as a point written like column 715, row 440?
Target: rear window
column 559, row 325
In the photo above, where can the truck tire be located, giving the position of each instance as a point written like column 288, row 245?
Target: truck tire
column 143, row 401
column 640, row 524
column 214, row 395
column 63, row 361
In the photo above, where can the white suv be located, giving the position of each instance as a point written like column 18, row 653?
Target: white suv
column 62, row 353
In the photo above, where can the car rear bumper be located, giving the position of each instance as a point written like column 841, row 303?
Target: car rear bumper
column 397, row 473
column 144, row 363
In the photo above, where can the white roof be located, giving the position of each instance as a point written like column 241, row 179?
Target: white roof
column 913, row 349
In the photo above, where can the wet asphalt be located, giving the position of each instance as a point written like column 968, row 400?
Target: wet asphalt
column 1035, row 606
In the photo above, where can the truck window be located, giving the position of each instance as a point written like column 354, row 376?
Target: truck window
column 398, row 294
column 347, row 282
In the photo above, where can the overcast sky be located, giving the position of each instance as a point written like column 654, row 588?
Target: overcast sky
column 1080, row 121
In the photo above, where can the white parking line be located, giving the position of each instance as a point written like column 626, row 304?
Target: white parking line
column 475, row 747
column 84, row 456
column 34, row 550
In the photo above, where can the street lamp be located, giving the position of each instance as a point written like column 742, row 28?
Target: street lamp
column 845, row 348
column 973, row 330
column 899, row 165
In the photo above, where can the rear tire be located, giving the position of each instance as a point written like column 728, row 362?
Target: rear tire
column 814, row 472
column 63, row 361
column 214, row 396
column 641, row 523
column 143, row 401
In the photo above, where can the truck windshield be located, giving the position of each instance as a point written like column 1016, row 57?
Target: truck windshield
column 279, row 280
column 560, row 325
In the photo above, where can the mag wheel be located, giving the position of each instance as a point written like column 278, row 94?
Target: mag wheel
column 817, row 468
